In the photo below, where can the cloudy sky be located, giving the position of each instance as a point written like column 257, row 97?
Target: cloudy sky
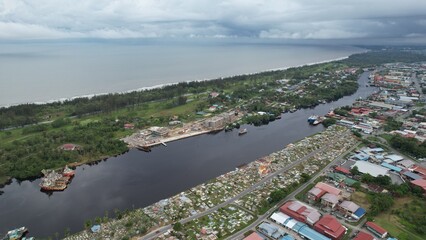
column 259, row 19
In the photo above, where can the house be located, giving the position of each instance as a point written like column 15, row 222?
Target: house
column 315, row 193
column 361, row 156
column 254, row 236
column 394, row 157
column 419, row 170
column 328, row 188
column 70, row 147
column 376, row 229
column 340, row 178
column 329, row 200
column 342, row 170
column 348, row 208
column 129, row 126
column 214, row 94
column 330, row 227
column 300, row 212
column 363, row 236
column 406, row 163
column 420, row 183
column 410, row 175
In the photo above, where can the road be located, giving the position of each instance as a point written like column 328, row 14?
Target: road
column 240, row 234
column 163, row 229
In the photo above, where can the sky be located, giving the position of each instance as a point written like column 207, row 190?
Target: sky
column 258, row 19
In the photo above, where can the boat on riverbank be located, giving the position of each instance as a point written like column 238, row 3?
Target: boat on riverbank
column 312, row 119
column 15, row 234
column 242, row 131
column 56, row 181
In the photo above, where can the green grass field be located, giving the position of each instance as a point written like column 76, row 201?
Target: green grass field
column 396, row 226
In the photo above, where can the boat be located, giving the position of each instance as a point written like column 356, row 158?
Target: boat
column 56, row 181
column 15, row 234
column 144, row 148
column 164, row 144
column 242, row 131
column 312, row 119
column 68, row 172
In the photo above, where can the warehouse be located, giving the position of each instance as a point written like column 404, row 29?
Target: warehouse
column 370, row 168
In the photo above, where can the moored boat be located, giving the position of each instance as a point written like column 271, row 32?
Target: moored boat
column 312, row 119
column 16, row 233
column 242, row 131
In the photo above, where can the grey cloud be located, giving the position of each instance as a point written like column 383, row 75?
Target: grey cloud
column 283, row 19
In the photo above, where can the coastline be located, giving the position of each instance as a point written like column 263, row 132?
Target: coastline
column 89, row 96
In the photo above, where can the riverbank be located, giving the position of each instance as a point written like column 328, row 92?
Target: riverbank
column 184, row 101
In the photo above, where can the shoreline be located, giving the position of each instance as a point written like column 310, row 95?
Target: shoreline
column 89, row 96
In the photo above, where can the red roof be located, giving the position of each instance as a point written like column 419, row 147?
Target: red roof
column 376, row 228
column 254, row 236
column 328, row 188
column 363, row 236
column 342, row 170
column 329, row 226
column 68, row 146
column 420, row 170
column 420, row 182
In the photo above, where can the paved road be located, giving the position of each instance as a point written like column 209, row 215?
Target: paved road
column 240, row 234
column 163, row 229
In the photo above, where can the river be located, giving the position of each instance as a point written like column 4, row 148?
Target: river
column 137, row 179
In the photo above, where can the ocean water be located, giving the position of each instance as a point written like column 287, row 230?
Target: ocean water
column 44, row 71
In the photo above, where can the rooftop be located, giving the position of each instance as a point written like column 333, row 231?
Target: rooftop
column 254, row 236
column 370, row 168
column 350, row 206
column 363, row 236
column 328, row 188
column 376, row 227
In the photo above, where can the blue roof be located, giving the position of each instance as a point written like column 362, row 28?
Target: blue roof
column 298, row 226
column 268, row 228
column 287, row 237
column 311, row 234
column 360, row 212
column 362, row 156
column 391, row 167
column 412, row 175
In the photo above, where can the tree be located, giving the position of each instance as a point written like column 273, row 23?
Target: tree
column 354, row 170
column 305, row 177
column 328, row 122
column 177, row 227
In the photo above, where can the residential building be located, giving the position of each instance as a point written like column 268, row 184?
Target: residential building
column 376, row 229
column 329, row 200
column 300, row 212
column 348, row 208
column 363, row 236
column 330, row 227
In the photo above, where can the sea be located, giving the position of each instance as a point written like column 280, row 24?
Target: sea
column 45, row 71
